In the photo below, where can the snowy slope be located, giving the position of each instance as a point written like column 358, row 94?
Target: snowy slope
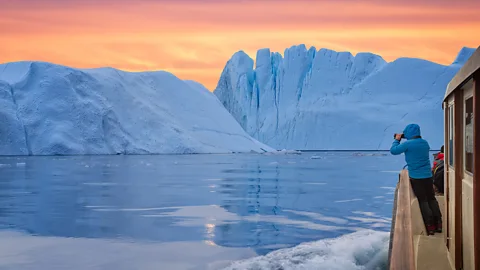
column 329, row 100
column 50, row 109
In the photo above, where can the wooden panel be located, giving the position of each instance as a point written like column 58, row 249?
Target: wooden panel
column 445, row 176
column 451, row 209
column 476, row 168
column 458, row 152
column 467, row 224
column 402, row 256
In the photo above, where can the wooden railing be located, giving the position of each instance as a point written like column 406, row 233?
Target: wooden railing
column 401, row 255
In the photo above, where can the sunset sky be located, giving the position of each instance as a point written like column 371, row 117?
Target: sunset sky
column 194, row 39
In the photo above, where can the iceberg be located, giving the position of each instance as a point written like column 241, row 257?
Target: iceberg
column 313, row 99
column 48, row 109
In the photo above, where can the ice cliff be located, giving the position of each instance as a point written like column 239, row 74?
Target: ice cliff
column 47, row 109
column 327, row 100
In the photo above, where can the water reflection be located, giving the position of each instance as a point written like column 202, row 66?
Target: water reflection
column 264, row 202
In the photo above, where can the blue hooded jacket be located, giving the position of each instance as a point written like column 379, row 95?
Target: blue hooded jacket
column 417, row 151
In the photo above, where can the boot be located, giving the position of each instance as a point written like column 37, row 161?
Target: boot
column 438, row 228
column 431, row 229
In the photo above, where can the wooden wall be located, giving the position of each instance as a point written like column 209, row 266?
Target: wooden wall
column 476, row 164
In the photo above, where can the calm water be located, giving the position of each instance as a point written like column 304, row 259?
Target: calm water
column 186, row 212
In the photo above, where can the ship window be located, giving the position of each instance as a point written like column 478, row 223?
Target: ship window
column 450, row 136
column 469, row 135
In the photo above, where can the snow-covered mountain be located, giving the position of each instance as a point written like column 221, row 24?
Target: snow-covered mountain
column 327, row 100
column 49, row 109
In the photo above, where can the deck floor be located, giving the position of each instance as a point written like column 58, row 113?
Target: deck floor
column 431, row 251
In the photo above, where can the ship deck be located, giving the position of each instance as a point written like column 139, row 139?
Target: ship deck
column 430, row 251
column 411, row 247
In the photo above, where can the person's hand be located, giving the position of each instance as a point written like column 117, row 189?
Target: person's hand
column 398, row 137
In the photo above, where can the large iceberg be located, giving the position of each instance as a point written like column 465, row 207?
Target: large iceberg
column 47, row 109
column 327, row 100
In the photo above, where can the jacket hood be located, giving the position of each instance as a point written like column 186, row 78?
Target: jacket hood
column 411, row 131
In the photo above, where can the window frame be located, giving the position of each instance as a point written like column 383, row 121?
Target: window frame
column 451, row 133
column 468, row 94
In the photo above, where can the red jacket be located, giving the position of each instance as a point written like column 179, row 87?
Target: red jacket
column 440, row 156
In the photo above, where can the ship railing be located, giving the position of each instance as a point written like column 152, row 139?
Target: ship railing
column 401, row 250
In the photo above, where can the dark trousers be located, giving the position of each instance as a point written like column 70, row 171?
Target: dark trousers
column 423, row 190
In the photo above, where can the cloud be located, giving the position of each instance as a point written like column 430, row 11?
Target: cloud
column 196, row 38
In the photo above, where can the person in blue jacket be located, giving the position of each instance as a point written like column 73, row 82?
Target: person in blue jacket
column 417, row 156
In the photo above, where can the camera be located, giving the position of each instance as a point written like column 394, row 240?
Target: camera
column 395, row 135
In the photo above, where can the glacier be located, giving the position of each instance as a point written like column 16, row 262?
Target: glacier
column 48, row 109
column 313, row 99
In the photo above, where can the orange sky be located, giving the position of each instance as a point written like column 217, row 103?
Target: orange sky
column 194, row 39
